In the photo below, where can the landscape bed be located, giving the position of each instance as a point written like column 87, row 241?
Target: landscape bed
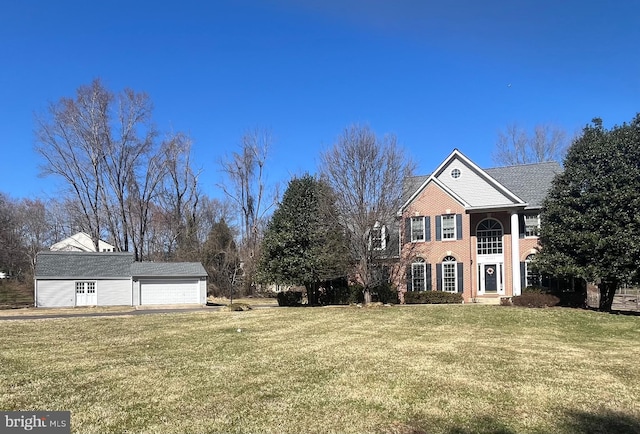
column 411, row 369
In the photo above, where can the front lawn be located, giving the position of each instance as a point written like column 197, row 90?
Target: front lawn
column 410, row 369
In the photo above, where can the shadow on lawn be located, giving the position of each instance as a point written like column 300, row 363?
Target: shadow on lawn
column 573, row 422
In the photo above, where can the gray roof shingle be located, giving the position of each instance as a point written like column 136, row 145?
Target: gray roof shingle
column 109, row 265
column 530, row 182
column 168, row 269
column 83, row 265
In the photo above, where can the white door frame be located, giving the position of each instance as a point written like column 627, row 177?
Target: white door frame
column 86, row 292
column 498, row 261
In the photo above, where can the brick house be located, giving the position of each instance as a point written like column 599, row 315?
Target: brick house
column 473, row 231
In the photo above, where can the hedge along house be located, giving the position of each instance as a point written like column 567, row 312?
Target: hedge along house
column 68, row 279
column 473, row 231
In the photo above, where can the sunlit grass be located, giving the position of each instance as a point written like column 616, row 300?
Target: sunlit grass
column 434, row 369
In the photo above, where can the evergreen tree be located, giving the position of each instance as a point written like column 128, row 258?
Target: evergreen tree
column 591, row 224
column 301, row 245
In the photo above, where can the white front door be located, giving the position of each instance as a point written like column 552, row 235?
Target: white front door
column 86, row 294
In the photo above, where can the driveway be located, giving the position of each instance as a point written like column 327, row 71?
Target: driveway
column 117, row 313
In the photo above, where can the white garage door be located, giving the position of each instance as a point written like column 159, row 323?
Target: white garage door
column 169, row 291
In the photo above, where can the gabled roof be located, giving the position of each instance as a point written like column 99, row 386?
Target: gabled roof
column 523, row 186
column 531, row 182
column 109, row 265
column 168, row 269
column 84, row 265
column 81, row 242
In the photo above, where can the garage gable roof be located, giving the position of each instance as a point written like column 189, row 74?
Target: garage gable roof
column 83, row 265
column 168, row 269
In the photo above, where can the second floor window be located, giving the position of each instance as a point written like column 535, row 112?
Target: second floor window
column 417, row 228
column 378, row 237
column 489, row 233
column 531, row 225
column 449, row 227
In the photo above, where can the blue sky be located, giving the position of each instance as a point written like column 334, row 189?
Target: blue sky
column 438, row 75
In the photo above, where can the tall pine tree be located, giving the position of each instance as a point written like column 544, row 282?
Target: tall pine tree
column 302, row 245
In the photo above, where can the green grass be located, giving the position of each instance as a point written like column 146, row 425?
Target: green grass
column 414, row 369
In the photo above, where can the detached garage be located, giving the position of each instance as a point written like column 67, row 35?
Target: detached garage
column 169, row 283
column 67, row 279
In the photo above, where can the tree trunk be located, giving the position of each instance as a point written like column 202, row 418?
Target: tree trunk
column 607, row 293
column 367, row 295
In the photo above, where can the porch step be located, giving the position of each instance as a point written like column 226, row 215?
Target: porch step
column 495, row 300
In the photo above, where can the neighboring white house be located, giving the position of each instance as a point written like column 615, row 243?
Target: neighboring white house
column 81, row 242
column 67, row 279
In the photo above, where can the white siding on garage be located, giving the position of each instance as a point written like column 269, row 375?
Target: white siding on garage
column 170, row 291
column 55, row 293
column 62, row 293
column 114, row 293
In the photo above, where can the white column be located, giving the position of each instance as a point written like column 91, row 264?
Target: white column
column 515, row 253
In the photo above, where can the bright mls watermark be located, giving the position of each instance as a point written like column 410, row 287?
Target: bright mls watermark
column 40, row 422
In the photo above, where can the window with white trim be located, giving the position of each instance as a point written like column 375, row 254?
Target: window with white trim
column 378, row 237
column 532, row 278
column 489, row 237
column 531, row 225
column 418, row 275
column 85, row 287
column 449, row 227
column 417, row 228
column 449, row 274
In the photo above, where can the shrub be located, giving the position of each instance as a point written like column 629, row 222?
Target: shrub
column 534, row 290
column 432, row 297
column 341, row 294
column 572, row 298
column 385, row 293
column 289, row 298
column 533, row 299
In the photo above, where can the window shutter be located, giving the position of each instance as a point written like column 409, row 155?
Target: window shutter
column 521, row 225
column 460, row 269
column 409, row 281
column 407, row 230
column 459, row 226
column 427, row 228
column 523, row 275
column 427, row 276
column 439, row 277
column 438, row 227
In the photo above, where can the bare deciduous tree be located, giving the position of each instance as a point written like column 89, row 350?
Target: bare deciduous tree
column 516, row 146
column 367, row 175
column 105, row 147
column 247, row 189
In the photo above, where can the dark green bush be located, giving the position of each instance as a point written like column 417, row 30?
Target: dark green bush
column 532, row 299
column 341, row 294
column 571, row 298
column 289, row 298
column 534, row 290
column 385, row 293
column 432, row 297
